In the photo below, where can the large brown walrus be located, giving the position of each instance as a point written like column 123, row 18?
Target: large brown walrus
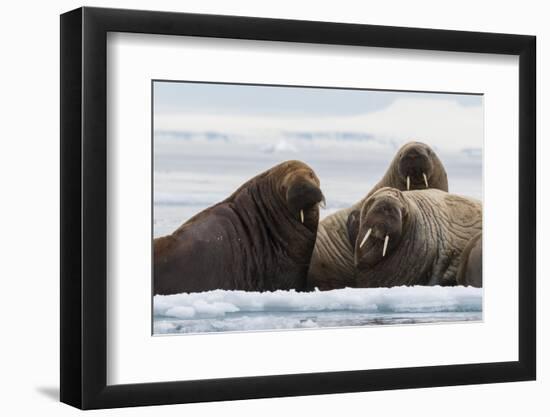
column 470, row 271
column 414, row 166
column 412, row 238
column 258, row 239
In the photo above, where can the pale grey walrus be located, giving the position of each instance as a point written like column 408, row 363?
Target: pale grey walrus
column 258, row 239
column 471, row 263
column 412, row 237
column 414, row 166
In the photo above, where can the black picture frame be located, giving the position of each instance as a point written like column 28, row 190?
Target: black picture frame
column 84, row 207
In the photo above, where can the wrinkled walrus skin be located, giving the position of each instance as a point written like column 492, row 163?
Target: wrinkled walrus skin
column 412, row 237
column 470, row 271
column 259, row 239
column 332, row 264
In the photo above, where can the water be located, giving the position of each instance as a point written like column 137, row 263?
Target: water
column 277, row 321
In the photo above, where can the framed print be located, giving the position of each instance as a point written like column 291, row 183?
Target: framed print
column 258, row 207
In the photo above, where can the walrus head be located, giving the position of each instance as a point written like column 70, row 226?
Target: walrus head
column 415, row 165
column 300, row 189
column 377, row 228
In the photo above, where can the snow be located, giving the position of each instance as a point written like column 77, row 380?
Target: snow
column 220, row 310
column 283, row 146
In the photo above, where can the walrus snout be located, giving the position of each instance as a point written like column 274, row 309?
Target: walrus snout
column 304, row 194
column 376, row 242
column 415, row 166
column 380, row 231
column 303, row 197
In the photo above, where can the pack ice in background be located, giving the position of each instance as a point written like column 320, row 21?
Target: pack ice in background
column 208, row 139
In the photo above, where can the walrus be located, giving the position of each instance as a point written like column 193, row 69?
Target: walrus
column 258, row 239
column 414, row 166
column 470, row 270
column 412, row 237
column 332, row 264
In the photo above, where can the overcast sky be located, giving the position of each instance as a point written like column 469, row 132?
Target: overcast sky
column 175, row 97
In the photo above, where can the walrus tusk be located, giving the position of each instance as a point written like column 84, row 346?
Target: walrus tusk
column 386, row 240
column 365, row 238
column 408, row 183
column 425, row 180
column 302, row 215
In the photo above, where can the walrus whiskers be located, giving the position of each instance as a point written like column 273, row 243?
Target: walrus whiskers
column 408, row 183
column 365, row 238
column 386, row 240
column 425, row 180
column 302, row 215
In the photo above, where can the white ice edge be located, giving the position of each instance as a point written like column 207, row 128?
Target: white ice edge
column 418, row 299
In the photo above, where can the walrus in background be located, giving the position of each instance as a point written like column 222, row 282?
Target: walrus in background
column 415, row 166
column 470, row 271
column 412, row 238
column 259, row 239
